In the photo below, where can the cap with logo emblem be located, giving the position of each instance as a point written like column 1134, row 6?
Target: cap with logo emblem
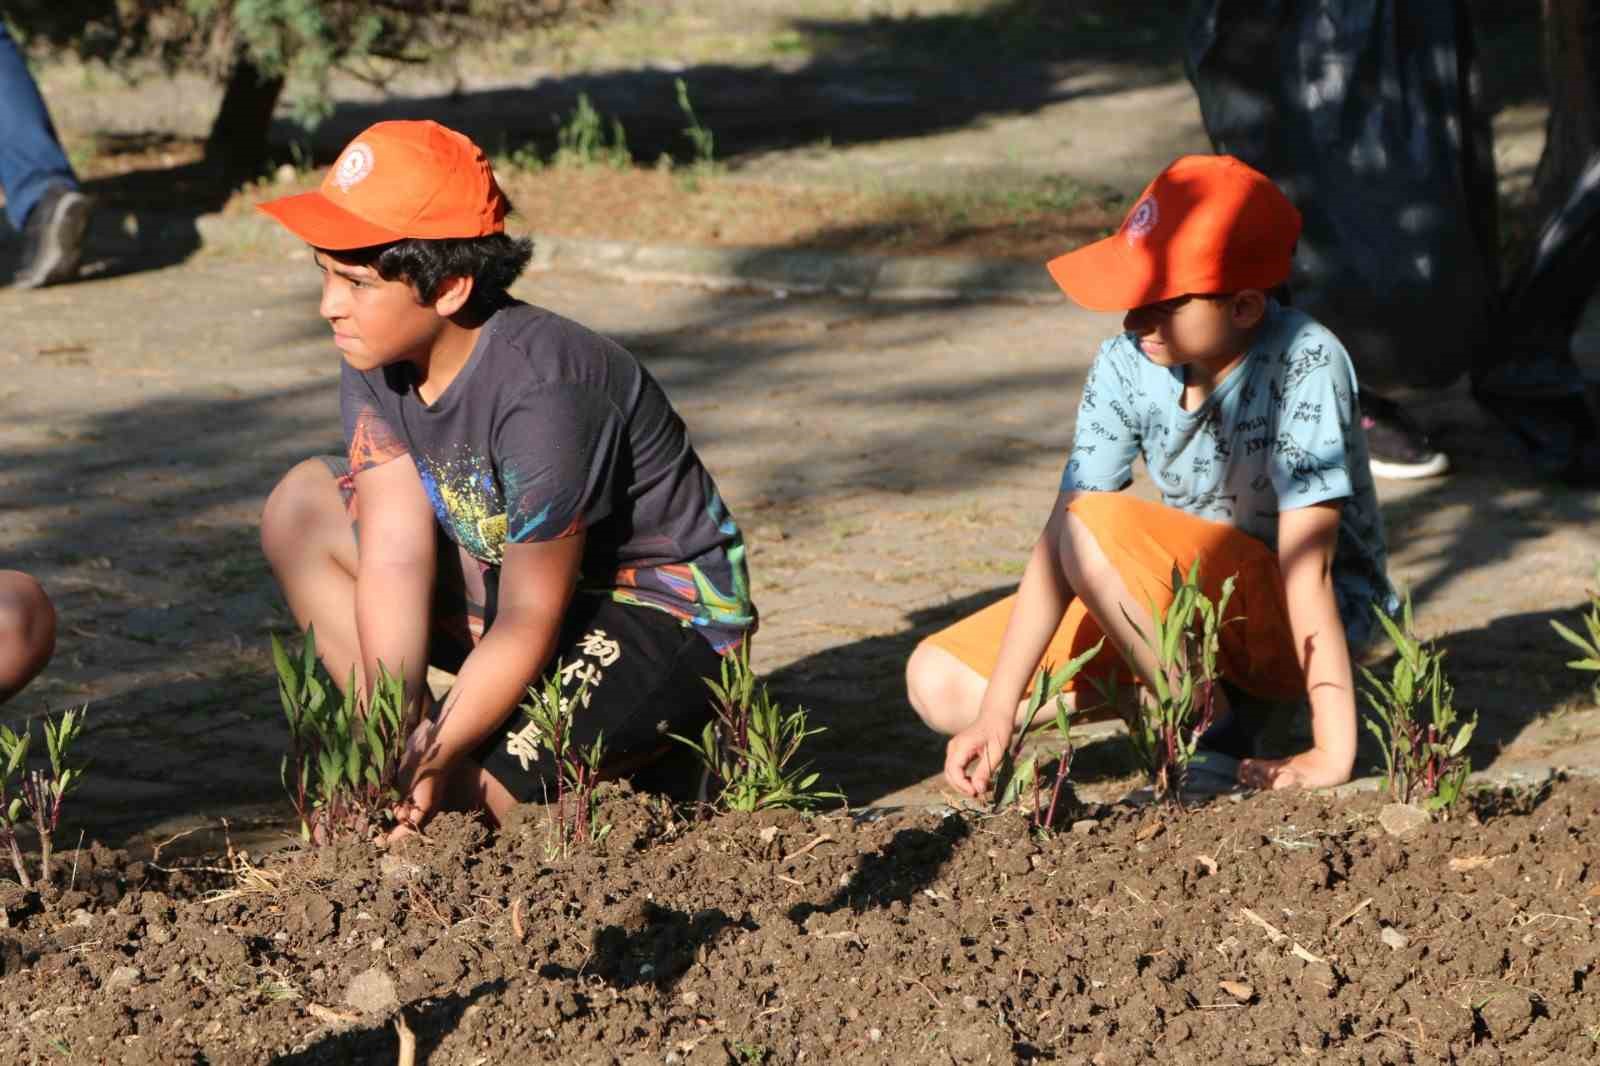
column 397, row 180
column 1206, row 224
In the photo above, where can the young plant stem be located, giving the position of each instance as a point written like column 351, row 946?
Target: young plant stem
column 16, row 861
column 1063, row 767
column 44, row 820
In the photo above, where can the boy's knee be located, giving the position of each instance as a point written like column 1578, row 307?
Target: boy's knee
column 299, row 499
column 936, row 689
column 27, row 629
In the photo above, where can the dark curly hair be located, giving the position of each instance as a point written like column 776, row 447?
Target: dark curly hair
column 492, row 262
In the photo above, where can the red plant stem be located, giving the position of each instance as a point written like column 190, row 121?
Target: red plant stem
column 1063, row 767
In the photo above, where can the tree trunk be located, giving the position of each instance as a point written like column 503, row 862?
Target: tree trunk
column 1572, row 70
column 238, row 140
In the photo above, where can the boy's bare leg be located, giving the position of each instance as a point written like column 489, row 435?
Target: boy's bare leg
column 1106, row 594
column 307, row 539
column 27, row 631
column 1110, row 601
column 946, row 692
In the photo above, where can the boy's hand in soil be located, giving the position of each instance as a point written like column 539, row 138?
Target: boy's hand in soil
column 536, row 584
column 422, row 793
column 1309, row 769
column 980, row 746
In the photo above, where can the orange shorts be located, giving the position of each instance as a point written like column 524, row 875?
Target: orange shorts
column 1144, row 541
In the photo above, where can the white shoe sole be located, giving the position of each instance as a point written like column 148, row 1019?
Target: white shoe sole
column 1438, row 464
column 58, row 260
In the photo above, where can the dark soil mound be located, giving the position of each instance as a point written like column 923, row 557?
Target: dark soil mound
column 1274, row 929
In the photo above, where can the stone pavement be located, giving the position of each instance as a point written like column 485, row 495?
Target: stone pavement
column 889, row 461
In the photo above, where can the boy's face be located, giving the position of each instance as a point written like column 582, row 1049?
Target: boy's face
column 375, row 322
column 1193, row 329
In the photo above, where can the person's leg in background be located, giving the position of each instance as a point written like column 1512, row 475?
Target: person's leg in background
column 1531, row 381
column 1365, row 113
column 43, row 200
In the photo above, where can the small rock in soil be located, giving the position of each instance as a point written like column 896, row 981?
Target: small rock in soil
column 226, row 950
column 1508, row 1015
column 394, row 868
column 123, row 977
column 1394, row 937
column 1238, row 990
column 372, row 992
column 1084, row 826
column 1320, row 975
column 1400, row 819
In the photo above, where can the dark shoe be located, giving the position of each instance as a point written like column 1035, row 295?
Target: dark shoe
column 1236, row 732
column 1558, row 433
column 1396, row 446
column 53, row 238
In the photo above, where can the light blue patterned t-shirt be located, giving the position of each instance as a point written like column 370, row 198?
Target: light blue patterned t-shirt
column 1282, row 431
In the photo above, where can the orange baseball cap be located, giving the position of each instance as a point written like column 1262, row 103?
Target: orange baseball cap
column 1206, row 224
column 397, row 180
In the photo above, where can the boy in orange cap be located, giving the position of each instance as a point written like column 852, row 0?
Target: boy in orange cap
column 528, row 499
column 1246, row 415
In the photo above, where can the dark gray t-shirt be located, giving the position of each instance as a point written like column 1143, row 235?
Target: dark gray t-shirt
column 549, row 429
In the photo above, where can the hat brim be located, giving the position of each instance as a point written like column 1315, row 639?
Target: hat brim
column 321, row 223
column 1108, row 276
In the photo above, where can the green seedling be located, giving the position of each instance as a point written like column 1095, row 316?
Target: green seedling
column 1423, row 739
column 577, row 768
column 581, row 140
column 1165, row 724
column 748, row 749
column 34, row 797
column 1013, row 778
column 703, row 140
column 343, row 765
column 1588, row 644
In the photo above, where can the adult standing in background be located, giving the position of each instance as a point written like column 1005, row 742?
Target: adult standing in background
column 43, row 201
column 1368, row 113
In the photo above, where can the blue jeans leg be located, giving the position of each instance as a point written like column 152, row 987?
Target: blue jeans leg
column 31, row 159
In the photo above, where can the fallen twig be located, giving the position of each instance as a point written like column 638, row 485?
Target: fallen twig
column 329, row 1016
column 918, row 982
column 792, row 856
column 155, row 851
column 1274, row 934
column 1359, row 907
column 408, row 1041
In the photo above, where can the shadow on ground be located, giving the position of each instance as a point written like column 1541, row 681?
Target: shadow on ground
column 882, row 79
column 431, row 1021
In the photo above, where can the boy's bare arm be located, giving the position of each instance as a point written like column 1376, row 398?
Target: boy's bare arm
column 1306, row 540
column 394, row 571
column 536, row 586
column 1042, row 598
